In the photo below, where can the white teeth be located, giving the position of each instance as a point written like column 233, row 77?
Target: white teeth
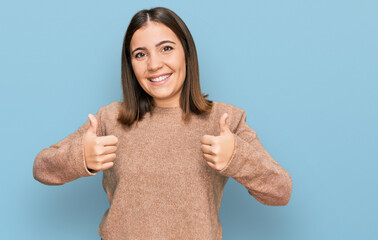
column 161, row 78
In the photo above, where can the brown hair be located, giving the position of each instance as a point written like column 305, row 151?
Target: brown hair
column 136, row 102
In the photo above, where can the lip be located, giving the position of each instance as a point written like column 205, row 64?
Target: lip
column 156, row 76
column 161, row 82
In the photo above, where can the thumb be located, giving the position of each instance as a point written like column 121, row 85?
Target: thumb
column 94, row 124
column 223, row 125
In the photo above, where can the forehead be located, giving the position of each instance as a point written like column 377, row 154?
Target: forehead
column 152, row 33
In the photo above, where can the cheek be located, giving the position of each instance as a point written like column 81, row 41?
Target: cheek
column 178, row 64
column 183, row 63
column 183, row 68
column 138, row 69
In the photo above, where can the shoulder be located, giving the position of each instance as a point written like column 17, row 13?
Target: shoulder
column 222, row 106
column 113, row 106
column 110, row 110
column 235, row 114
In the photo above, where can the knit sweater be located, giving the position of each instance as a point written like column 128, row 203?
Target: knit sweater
column 160, row 186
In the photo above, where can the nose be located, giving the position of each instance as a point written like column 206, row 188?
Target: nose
column 154, row 63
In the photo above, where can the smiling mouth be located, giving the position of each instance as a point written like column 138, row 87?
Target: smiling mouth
column 161, row 78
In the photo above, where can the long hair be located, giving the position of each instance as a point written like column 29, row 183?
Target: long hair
column 136, row 102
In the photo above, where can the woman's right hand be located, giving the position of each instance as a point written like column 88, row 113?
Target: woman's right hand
column 99, row 151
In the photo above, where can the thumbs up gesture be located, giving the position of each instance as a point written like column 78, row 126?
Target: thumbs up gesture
column 99, row 151
column 217, row 150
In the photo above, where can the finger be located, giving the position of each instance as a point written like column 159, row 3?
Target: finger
column 207, row 149
column 108, row 165
column 207, row 139
column 212, row 165
column 209, row 158
column 93, row 124
column 109, row 149
column 108, row 140
column 107, row 158
column 223, row 124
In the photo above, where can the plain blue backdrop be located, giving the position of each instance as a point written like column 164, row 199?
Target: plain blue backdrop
column 304, row 71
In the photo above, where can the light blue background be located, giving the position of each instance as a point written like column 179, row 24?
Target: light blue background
column 304, row 71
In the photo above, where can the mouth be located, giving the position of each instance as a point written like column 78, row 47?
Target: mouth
column 160, row 78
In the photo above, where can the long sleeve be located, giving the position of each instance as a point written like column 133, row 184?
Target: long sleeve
column 253, row 167
column 65, row 161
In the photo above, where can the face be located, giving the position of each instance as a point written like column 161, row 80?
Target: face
column 158, row 61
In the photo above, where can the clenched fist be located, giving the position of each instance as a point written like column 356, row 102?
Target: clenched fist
column 99, row 151
column 217, row 150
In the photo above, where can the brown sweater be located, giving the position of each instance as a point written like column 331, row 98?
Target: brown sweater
column 160, row 186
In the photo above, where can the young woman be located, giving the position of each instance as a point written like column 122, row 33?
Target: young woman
column 166, row 151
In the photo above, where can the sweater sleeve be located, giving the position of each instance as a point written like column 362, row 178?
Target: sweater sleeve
column 253, row 167
column 64, row 161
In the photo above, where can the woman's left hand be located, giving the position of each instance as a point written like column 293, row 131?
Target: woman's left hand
column 217, row 150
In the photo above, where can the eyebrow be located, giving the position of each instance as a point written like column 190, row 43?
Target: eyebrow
column 157, row 45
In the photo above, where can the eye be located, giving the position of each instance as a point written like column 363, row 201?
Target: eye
column 167, row 48
column 139, row 55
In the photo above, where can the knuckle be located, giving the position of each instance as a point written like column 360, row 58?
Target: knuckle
column 97, row 159
column 216, row 165
column 97, row 151
column 216, row 150
column 99, row 165
column 213, row 151
column 97, row 141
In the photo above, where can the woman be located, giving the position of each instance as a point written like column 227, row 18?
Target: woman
column 166, row 152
